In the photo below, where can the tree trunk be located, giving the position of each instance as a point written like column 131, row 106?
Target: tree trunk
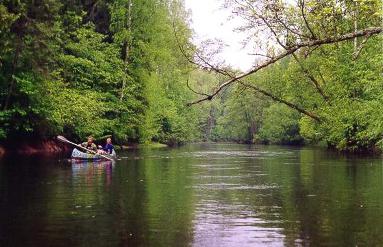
column 355, row 27
column 12, row 79
column 126, row 47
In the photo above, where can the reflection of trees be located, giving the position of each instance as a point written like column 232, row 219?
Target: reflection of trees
column 149, row 202
column 22, row 211
column 138, row 202
column 330, row 200
column 315, row 196
column 169, row 203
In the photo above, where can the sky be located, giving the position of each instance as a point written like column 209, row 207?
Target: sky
column 210, row 21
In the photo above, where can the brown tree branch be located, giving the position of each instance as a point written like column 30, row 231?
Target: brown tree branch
column 273, row 31
column 194, row 91
column 214, row 68
column 359, row 48
column 290, row 29
column 302, row 7
column 307, row 53
column 259, row 54
column 312, row 78
column 280, row 100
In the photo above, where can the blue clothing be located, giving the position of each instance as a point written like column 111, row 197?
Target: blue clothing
column 108, row 148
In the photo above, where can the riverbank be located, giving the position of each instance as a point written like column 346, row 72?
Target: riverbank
column 54, row 147
column 46, row 147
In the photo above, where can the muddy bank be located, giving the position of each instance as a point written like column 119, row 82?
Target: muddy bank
column 46, row 147
column 2, row 151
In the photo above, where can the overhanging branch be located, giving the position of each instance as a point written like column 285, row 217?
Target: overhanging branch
column 312, row 78
column 280, row 100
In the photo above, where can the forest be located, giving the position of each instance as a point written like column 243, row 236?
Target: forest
column 129, row 68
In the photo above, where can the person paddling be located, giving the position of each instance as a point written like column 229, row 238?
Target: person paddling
column 89, row 144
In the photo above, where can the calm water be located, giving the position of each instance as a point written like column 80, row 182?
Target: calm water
column 197, row 195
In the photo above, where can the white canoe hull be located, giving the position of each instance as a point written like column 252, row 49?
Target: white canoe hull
column 79, row 155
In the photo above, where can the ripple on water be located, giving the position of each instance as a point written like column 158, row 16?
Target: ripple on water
column 229, row 230
column 235, row 154
column 222, row 176
column 227, row 186
column 231, row 223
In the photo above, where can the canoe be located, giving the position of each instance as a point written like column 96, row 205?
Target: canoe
column 83, row 162
column 79, row 155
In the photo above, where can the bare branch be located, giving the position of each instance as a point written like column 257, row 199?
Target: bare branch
column 307, row 53
column 302, row 7
column 259, row 54
column 273, row 32
column 190, row 60
column 214, row 68
column 256, row 13
column 196, row 92
column 206, row 64
column 290, row 29
column 312, row 78
column 275, row 98
column 356, row 54
column 320, row 75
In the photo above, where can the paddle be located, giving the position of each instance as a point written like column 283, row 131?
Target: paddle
column 63, row 139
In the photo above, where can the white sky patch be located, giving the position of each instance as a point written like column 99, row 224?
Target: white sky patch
column 210, row 21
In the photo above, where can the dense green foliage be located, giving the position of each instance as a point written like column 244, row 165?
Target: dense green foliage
column 94, row 67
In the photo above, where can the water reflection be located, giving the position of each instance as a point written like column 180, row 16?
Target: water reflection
column 199, row 195
column 92, row 171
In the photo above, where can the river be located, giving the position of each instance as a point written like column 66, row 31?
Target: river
column 195, row 195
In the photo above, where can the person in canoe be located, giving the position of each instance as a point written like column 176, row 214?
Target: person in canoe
column 89, row 144
column 108, row 148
